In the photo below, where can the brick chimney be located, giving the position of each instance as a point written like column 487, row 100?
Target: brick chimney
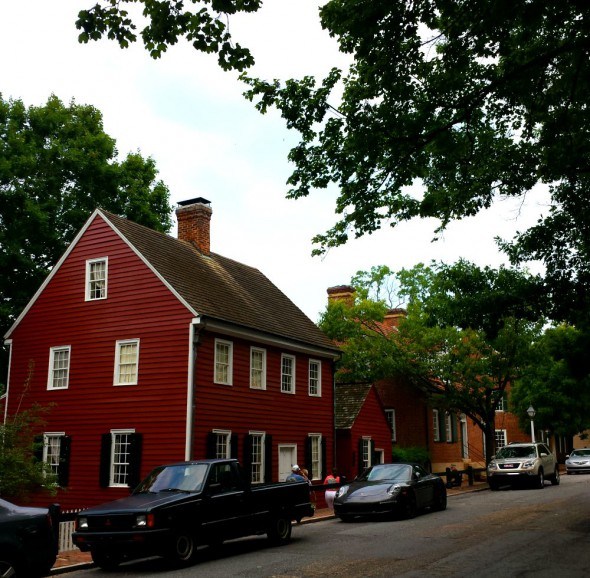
column 343, row 293
column 194, row 219
column 393, row 317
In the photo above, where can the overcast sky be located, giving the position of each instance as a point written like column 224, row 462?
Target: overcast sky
column 208, row 141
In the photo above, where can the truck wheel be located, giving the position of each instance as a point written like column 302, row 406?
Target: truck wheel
column 8, row 567
column 183, row 549
column 279, row 531
column 105, row 560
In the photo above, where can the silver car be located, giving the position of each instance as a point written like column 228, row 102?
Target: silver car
column 578, row 461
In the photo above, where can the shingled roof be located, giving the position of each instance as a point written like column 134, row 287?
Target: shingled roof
column 220, row 288
column 349, row 399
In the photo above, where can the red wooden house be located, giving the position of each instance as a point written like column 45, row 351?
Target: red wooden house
column 363, row 436
column 152, row 349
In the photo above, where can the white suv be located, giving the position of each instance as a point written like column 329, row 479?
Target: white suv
column 531, row 462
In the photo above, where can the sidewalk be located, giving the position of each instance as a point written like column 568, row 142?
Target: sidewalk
column 74, row 559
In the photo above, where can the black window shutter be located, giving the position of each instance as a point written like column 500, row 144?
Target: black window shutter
column 247, row 460
column 323, row 445
column 453, row 427
column 442, row 430
column 374, row 455
column 135, row 446
column 105, row 461
column 233, row 445
column 268, row 458
column 308, row 460
column 63, row 470
column 211, row 439
column 38, row 443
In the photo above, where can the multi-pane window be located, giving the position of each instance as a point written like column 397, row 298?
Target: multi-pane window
column 502, row 404
column 223, row 361
column 315, row 378
column 126, row 362
column 390, row 413
column 222, row 444
column 257, row 457
column 316, row 456
column 96, row 279
column 435, row 425
column 52, row 450
column 59, row 367
column 287, row 374
column 257, row 368
column 120, row 457
column 500, row 438
column 366, row 453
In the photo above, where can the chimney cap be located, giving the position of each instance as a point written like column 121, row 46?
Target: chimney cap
column 198, row 200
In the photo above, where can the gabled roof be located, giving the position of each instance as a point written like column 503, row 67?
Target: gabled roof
column 348, row 401
column 219, row 288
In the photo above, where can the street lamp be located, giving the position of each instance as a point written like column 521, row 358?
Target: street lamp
column 531, row 413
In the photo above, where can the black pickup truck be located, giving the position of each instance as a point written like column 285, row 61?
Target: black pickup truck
column 183, row 505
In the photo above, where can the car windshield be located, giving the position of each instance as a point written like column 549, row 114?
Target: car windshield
column 580, row 453
column 517, row 452
column 389, row 472
column 183, row 478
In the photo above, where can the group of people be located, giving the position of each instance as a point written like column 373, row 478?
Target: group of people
column 302, row 475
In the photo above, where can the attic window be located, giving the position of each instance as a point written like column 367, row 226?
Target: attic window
column 96, row 279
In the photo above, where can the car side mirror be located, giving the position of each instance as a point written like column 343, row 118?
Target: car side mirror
column 567, row 456
column 543, row 454
column 215, row 488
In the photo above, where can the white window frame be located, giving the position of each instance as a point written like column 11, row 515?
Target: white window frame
column 366, row 457
column 436, row 425
column 501, row 406
column 62, row 373
column 316, row 456
column 222, row 443
column 390, row 413
column 314, row 388
column 223, row 369
column 257, row 374
column 500, row 433
column 52, row 449
column 257, row 457
column 119, row 469
column 119, row 365
column 288, row 379
column 92, row 284
column 448, row 427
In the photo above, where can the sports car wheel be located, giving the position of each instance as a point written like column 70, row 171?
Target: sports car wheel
column 440, row 500
column 409, row 507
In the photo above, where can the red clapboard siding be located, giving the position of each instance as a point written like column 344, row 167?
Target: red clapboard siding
column 139, row 306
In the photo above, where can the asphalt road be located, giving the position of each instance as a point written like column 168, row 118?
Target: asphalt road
column 510, row 533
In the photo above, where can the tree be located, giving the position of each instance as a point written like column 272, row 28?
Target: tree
column 20, row 472
column 56, row 166
column 556, row 383
column 466, row 337
column 206, row 26
column 449, row 105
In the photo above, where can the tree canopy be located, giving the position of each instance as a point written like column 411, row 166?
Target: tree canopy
column 449, row 105
column 56, row 166
column 467, row 334
column 204, row 23
column 557, row 382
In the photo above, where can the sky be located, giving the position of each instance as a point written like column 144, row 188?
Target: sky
column 208, row 141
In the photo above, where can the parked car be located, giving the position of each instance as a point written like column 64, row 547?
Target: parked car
column 28, row 544
column 180, row 506
column 578, row 462
column 386, row 489
column 518, row 462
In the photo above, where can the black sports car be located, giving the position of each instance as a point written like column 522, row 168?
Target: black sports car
column 401, row 489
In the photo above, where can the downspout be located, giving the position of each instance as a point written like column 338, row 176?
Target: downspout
column 195, row 329
column 5, row 396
